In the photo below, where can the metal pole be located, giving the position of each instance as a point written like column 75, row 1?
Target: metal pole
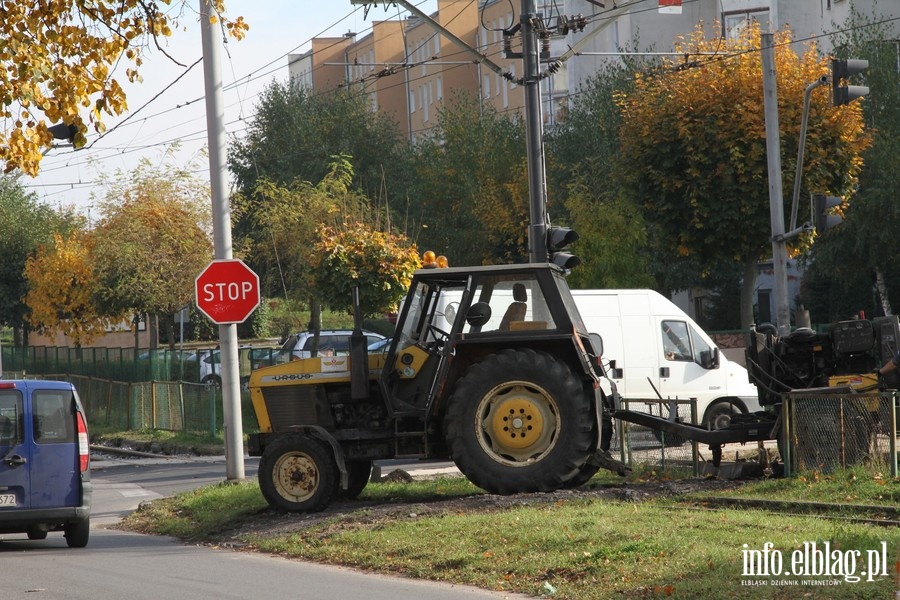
column 221, row 210
column 776, row 199
column 798, row 174
column 534, row 136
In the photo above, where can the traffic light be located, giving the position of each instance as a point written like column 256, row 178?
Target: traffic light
column 843, row 68
column 558, row 238
column 821, row 218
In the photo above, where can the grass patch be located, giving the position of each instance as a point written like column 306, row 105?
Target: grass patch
column 856, row 485
column 440, row 488
column 176, row 442
column 585, row 548
column 201, row 514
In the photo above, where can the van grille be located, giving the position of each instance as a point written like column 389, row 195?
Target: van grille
column 291, row 405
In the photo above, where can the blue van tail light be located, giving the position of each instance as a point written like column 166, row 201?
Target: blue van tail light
column 84, row 450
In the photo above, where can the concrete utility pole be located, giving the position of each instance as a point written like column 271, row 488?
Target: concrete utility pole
column 221, row 210
column 534, row 135
column 776, row 199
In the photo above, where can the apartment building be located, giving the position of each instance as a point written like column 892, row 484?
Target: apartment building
column 409, row 70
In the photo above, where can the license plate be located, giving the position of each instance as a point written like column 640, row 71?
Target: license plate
column 7, row 499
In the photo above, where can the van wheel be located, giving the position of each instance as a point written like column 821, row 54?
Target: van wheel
column 519, row 421
column 36, row 534
column 212, row 381
column 77, row 533
column 297, row 473
column 718, row 416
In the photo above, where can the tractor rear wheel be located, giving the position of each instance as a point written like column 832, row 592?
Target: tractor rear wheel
column 358, row 473
column 589, row 469
column 297, row 473
column 519, row 421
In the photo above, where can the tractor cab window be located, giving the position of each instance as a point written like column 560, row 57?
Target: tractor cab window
column 508, row 303
column 432, row 312
column 416, row 310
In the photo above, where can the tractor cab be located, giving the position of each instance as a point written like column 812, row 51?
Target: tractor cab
column 454, row 317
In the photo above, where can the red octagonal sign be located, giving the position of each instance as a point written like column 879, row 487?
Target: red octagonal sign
column 227, row 291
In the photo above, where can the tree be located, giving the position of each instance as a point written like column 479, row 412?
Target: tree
column 25, row 225
column 581, row 166
column 152, row 242
column 295, row 137
column 693, row 139
column 63, row 288
column 473, row 198
column 289, row 221
column 65, row 55
column 380, row 264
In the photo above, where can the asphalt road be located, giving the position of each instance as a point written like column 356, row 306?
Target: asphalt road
column 120, row 565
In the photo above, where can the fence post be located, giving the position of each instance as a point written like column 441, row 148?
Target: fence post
column 895, row 406
column 787, row 405
column 153, row 407
column 212, row 409
column 695, row 450
column 181, row 404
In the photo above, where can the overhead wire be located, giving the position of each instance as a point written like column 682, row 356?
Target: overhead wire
column 261, row 71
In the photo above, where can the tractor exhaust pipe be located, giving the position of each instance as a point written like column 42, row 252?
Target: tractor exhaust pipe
column 359, row 355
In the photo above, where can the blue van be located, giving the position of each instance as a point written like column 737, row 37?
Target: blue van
column 45, row 478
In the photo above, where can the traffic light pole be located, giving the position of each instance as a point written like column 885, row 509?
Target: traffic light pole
column 534, row 136
column 776, row 199
column 228, row 339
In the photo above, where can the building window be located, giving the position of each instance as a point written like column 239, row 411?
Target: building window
column 735, row 22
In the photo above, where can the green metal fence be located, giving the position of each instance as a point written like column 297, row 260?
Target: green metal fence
column 128, row 364
column 167, row 405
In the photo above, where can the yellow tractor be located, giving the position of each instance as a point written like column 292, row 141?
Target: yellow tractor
column 491, row 367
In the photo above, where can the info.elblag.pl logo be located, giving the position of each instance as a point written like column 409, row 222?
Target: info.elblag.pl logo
column 814, row 564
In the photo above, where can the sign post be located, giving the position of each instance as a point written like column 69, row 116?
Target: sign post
column 227, row 291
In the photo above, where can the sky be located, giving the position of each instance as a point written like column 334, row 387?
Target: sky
column 162, row 111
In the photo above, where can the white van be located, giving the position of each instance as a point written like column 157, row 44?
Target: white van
column 655, row 344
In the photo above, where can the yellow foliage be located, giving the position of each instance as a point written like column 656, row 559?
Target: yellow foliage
column 57, row 58
column 694, row 137
column 62, row 285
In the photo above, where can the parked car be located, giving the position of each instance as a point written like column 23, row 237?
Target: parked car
column 45, row 477
column 331, row 342
column 249, row 359
column 380, row 345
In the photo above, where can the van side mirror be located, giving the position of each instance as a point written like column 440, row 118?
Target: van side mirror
column 709, row 359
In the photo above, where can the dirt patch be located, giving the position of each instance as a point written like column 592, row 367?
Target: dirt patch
column 360, row 514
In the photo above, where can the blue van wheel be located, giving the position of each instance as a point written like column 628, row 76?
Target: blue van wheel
column 77, row 533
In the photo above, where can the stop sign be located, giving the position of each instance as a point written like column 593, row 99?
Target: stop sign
column 227, row 291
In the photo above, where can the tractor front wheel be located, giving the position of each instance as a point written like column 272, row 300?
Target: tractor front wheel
column 297, row 473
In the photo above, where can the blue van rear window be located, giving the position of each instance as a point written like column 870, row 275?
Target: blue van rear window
column 10, row 409
column 54, row 421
